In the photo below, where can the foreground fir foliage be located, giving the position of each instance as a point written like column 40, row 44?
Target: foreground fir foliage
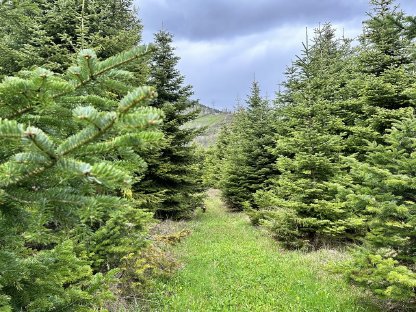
column 69, row 158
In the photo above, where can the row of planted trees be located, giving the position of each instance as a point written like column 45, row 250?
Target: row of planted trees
column 332, row 161
column 92, row 149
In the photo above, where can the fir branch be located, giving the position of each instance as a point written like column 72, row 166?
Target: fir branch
column 111, row 63
column 10, row 129
column 20, row 112
column 41, row 141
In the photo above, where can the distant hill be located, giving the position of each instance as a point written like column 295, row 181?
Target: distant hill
column 213, row 120
column 206, row 110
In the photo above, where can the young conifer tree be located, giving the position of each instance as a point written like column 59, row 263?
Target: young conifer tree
column 248, row 164
column 379, row 183
column 383, row 74
column 231, row 157
column 50, row 33
column 172, row 176
column 214, row 158
column 382, row 188
column 308, row 146
column 67, row 163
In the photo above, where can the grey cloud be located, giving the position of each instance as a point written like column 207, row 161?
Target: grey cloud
column 222, row 71
column 222, row 43
column 207, row 20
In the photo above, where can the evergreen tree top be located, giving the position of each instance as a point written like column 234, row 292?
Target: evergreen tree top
column 255, row 101
column 165, row 76
column 387, row 34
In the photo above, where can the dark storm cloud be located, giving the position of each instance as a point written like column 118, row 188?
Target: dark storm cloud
column 209, row 19
column 223, row 43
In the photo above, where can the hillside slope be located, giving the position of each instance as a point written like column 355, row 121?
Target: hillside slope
column 212, row 120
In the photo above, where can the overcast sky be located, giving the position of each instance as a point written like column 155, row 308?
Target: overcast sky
column 224, row 44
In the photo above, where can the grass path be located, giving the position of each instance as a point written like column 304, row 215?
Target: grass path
column 231, row 266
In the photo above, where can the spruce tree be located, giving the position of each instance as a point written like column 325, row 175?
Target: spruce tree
column 172, row 177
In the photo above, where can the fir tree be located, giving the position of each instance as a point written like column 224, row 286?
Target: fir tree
column 382, row 188
column 215, row 157
column 383, row 74
column 233, row 163
column 308, row 146
column 171, row 177
column 67, row 217
column 383, row 39
column 50, row 33
column 248, row 164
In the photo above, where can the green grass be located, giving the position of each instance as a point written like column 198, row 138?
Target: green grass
column 231, row 266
